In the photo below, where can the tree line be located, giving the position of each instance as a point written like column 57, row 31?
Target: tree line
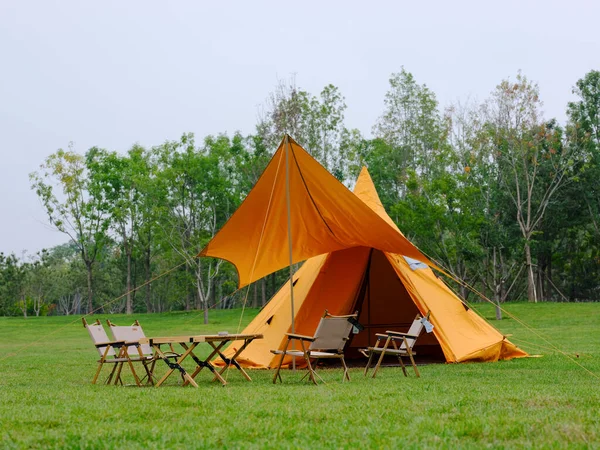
column 502, row 197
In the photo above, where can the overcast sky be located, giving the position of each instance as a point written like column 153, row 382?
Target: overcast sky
column 113, row 73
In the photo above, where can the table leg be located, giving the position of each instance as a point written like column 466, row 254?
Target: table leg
column 176, row 365
column 233, row 360
column 206, row 363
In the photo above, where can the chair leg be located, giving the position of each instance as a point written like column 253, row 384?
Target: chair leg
column 369, row 362
column 400, row 359
column 280, row 363
column 148, row 372
column 346, row 375
column 130, row 363
column 311, row 372
column 380, row 360
column 118, row 374
column 98, row 372
column 112, row 373
column 412, row 360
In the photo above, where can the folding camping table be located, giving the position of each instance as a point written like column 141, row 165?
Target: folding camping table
column 189, row 344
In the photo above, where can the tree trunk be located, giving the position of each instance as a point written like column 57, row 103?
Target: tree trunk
column 24, row 308
column 531, row 291
column 272, row 293
column 90, row 305
column 147, row 268
column 497, row 287
column 203, row 296
column 255, row 296
column 263, row 285
column 129, row 305
column 219, row 293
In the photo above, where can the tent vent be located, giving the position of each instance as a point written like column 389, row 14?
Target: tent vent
column 295, row 281
column 269, row 320
column 415, row 264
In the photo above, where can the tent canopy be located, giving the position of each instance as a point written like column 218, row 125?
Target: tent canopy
column 325, row 217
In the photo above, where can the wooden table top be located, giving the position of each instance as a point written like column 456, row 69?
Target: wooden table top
column 199, row 338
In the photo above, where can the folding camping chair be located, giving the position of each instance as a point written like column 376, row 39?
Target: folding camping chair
column 327, row 343
column 407, row 342
column 143, row 352
column 106, row 349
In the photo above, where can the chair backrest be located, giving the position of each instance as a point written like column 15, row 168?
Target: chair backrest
column 332, row 333
column 98, row 335
column 131, row 333
column 415, row 330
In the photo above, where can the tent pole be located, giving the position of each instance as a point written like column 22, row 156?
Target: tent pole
column 289, row 225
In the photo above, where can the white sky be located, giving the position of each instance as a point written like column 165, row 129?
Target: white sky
column 113, row 73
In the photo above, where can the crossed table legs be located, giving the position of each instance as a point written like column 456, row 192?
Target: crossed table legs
column 189, row 347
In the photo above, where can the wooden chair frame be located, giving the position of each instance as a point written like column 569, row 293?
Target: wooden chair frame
column 131, row 336
column 112, row 352
column 391, row 347
column 308, row 352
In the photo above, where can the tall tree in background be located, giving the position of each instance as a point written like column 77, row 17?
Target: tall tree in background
column 411, row 125
column 75, row 205
column 315, row 122
column 124, row 181
column 200, row 194
column 532, row 162
column 584, row 136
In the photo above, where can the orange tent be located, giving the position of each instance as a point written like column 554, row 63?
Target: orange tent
column 368, row 268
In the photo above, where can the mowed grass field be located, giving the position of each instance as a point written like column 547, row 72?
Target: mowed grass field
column 47, row 401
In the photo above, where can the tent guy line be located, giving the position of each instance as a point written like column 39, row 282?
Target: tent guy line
column 526, row 326
column 37, row 341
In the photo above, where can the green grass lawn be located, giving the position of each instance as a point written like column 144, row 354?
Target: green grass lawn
column 47, row 401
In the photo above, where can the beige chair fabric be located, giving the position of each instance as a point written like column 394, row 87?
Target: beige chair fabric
column 143, row 352
column 328, row 341
column 131, row 333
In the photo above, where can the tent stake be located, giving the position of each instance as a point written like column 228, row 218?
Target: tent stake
column 289, row 224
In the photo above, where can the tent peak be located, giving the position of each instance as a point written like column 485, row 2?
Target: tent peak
column 366, row 191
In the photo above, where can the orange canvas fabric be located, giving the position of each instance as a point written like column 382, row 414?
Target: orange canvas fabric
column 325, row 217
column 335, row 281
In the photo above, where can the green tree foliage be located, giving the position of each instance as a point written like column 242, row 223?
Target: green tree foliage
column 501, row 197
column 76, row 204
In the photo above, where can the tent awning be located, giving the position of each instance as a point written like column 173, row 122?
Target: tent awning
column 325, row 217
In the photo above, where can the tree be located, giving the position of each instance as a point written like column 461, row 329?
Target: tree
column 583, row 132
column 315, row 122
column 532, row 162
column 75, row 205
column 200, row 192
column 411, row 125
column 126, row 183
column 40, row 281
column 13, row 286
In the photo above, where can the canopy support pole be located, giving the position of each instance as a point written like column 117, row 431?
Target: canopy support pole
column 289, row 226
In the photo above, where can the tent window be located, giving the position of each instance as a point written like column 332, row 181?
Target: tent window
column 414, row 264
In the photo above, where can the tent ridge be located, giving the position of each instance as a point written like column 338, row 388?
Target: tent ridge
column 309, row 194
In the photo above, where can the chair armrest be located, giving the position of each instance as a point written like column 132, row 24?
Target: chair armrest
column 397, row 333
column 300, row 336
column 110, row 344
column 347, row 316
